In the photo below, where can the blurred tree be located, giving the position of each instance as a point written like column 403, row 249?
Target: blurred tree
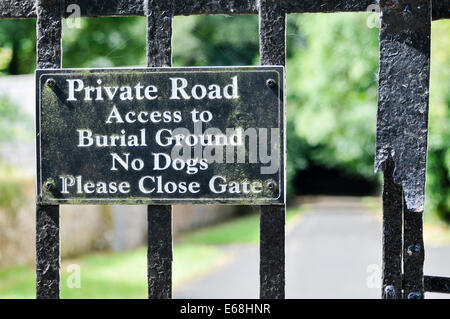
column 221, row 40
column 216, row 40
column 332, row 93
column 332, row 86
column 105, row 42
column 17, row 46
column 438, row 174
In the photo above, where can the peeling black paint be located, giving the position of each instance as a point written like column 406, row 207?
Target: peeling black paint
column 159, row 33
column 49, row 34
column 159, row 224
column 392, row 234
column 403, row 95
column 441, row 9
column 437, row 284
column 272, row 30
column 159, row 253
column 401, row 145
column 47, row 252
column 413, row 255
column 49, row 31
column 101, row 8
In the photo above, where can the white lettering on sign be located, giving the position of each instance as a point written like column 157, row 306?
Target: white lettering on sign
column 76, row 184
column 219, row 185
column 180, row 89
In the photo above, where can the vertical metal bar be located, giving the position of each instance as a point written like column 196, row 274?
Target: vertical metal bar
column 402, row 124
column 413, row 244
column 272, row 28
column 159, row 32
column 49, row 52
column 49, row 33
column 47, row 252
column 159, row 257
column 159, row 252
column 272, row 33
column 413, row 255
column 404, row 80
column 392, row 235
column 272, row 252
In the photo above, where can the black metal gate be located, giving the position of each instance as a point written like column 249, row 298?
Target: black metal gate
column 402, row 129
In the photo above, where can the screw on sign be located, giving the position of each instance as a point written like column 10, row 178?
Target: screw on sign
column 50, row 83
column 271, row 83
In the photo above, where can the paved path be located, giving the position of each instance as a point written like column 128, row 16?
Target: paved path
column 334, row 251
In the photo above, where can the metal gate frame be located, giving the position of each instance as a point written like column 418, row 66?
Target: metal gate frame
column 402, row 129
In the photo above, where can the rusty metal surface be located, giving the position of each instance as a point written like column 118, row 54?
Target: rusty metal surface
column 272, row 30
column 99, row 8
column 160, row 252
column 403, row 95
column 49, row 31
column 392, row 235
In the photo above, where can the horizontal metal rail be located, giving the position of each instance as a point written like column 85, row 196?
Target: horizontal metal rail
column 437, row 284
column 14, row 9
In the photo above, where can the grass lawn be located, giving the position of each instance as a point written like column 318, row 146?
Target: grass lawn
column 243, row 230
column 124, row 274
column 113, row 275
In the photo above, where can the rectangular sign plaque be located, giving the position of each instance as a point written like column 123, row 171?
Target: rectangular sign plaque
column 161, row 135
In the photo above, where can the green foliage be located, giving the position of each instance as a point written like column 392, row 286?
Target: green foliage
column 332, row 88
column 11, row 126
column 17, row 56
column 297, row 150
column 438, row 174
column 17, row 46
column 216, row 40
column 105, row 42
column 12, row 183
column 237, row 231
column 10, row 117
column 10, row 196
column 220, row 40
column 332, row 93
